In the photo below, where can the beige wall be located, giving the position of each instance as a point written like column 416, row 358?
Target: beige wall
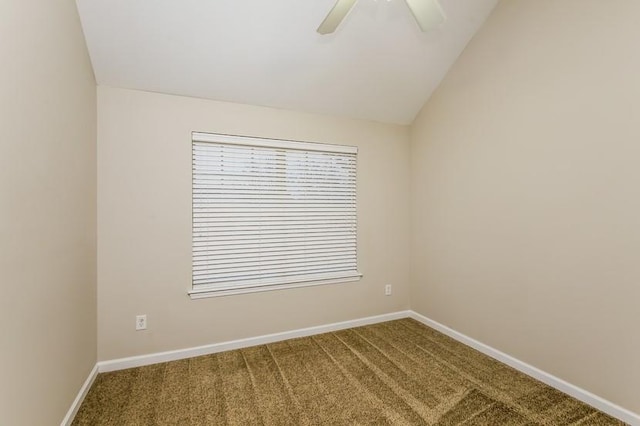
column 144, row 224
column 526, row 177
column 47, row 211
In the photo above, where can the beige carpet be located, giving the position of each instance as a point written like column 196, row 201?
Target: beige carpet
column 396, row 373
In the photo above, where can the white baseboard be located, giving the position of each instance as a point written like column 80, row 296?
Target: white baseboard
column 73, row 410
column 551, row 380
column 138, row 361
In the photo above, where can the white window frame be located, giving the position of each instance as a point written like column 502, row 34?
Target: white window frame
column 209, row 258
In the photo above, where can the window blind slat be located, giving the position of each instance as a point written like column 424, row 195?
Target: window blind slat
column 270, row 183
column 269, row 281
column 266, row 246
column 217, row 273
column 273, row 260
column 273, row 237
column 270, row 274
column 268, row 232
column 223, row 193
column 257, row 255
column 258, row 143
column 264, row 214
column 281, row 161
column 266, row 171
column 239, row 221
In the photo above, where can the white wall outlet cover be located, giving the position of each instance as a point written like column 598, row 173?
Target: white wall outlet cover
column 141, row 322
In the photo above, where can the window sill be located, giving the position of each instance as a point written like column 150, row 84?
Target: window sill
column 203, row 293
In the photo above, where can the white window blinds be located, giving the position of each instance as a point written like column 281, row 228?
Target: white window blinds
column 271, row 214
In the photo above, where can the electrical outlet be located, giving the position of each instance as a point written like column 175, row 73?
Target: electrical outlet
column 141, row 322
column 387, row 290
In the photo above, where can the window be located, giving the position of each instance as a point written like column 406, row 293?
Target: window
column 271, row 214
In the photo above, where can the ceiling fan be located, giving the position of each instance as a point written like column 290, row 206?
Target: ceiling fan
column 428, row 14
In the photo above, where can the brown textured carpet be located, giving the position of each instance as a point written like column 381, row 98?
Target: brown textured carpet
column 398, row 373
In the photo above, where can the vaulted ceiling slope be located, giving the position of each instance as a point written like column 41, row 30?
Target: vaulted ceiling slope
column 378, row 65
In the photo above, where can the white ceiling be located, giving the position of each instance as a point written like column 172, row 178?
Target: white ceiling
column 376, row 66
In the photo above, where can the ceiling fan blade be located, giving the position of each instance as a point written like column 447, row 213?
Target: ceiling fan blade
column 428, row 13
column 337, row 14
